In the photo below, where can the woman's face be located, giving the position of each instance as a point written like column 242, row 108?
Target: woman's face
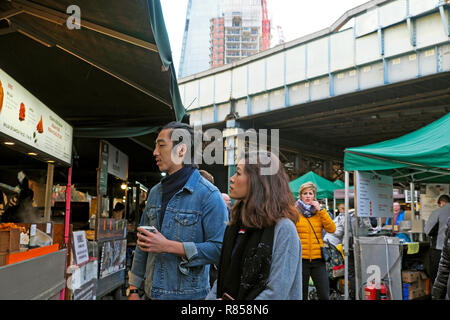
column 239, row 183
column 307, row 196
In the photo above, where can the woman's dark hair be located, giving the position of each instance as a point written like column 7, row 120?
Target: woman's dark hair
column 269, row 199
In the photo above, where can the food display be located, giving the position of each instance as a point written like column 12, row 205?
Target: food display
column 9, row 226
column 22, row 112
column 40, row 126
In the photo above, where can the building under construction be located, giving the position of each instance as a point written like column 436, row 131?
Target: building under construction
column 241, row 31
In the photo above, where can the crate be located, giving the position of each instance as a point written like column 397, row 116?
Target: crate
column 31, row 253
column 3, row 259
column 9, row 241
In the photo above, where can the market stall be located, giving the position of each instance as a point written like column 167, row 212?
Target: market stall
column 33, row 248
column 418, row 158
column 107, row 70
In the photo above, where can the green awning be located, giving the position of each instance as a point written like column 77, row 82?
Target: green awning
column 339, row 183
column 325, row 187
column 422, row 155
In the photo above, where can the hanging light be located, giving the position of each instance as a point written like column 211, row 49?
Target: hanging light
column 123, row 186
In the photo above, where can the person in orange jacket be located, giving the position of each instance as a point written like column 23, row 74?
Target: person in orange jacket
column 311, row 221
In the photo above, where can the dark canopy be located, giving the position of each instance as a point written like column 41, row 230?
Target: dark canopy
column 113, row 77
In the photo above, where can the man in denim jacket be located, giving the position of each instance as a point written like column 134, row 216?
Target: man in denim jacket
column 190, row 217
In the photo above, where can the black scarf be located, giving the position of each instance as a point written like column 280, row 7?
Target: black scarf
column 245, row 266
column 171, row 185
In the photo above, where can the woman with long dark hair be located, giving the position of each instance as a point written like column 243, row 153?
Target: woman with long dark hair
column 260, row 257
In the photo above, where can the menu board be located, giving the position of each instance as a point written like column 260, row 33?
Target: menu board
column 24, row 118
column 117, row 162
column 374, row 195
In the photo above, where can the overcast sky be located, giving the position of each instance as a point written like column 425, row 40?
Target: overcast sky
column 296, row 18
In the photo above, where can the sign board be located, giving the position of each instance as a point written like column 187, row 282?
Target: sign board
column 374, row 195
column 87, row 291
column 408, row 195
column 103, row 179
column 113, row 257
column 80, row 249
column 24, row 118
column 117, row 163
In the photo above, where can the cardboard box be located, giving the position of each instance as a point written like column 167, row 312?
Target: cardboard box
column 418, row 283
column 415, row 293
column 418, row 226
column 427, row 287
column 410, row 276
column 10, row 241
column 405, row 225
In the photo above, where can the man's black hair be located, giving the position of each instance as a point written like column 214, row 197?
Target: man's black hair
column 444, row 198
column 190, row 147
column 119, row 206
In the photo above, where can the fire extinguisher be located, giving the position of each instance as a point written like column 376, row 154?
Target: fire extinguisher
column 372, row 293
column 383, row 292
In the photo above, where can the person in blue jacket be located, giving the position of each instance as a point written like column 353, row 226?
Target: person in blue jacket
column 190, row 218
column 399, row 215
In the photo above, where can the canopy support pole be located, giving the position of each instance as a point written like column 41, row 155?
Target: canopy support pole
column 334, row 206
column 346, row 236
column 413, row 201
column 67, row 226
column 48, row 193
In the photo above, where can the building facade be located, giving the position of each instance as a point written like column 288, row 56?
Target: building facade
column 237, row 33
column 195, row 49
column 218, row 32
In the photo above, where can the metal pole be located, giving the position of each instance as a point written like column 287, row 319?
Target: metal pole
column 48, row 192
column 411, row 187
column 67, row 225
column 334, row 206
column 346, row 236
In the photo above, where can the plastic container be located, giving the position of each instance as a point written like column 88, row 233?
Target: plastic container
column 406, row 291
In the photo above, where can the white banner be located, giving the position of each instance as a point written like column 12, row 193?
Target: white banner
column 23, row 117
column 117, row 162
column 374, row 195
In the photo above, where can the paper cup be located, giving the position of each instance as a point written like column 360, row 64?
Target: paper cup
column 149, row 228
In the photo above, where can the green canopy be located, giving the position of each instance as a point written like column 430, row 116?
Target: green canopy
column 339, row 183
column 325, row 187
column 422, row 155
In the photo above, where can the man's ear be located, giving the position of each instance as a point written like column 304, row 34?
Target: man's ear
column 182, row 150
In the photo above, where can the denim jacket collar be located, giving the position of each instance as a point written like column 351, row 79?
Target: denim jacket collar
column 192, row 181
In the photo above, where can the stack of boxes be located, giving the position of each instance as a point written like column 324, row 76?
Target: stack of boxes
column 9, row 243
column 416, row 284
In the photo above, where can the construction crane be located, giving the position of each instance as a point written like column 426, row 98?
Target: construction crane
column 280, row 35
column 265, row 26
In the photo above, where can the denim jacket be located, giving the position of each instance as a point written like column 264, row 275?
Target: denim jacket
column 196, row 216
